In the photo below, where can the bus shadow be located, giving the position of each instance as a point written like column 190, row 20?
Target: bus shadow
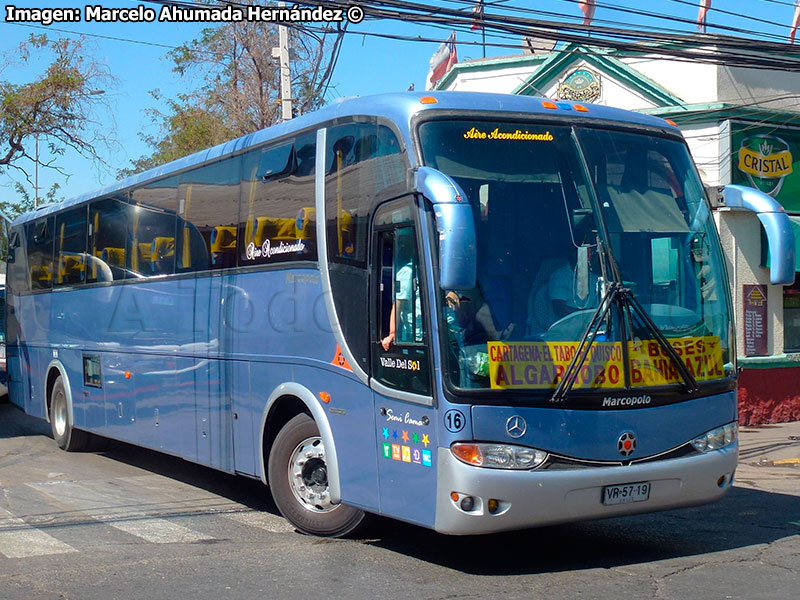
column 250, row 493
column 15, row 423
column 243, row 490
column 742, row 519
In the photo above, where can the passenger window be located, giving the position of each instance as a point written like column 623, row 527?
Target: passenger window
column 71, row 257
column 40, row 253
column 277, row 221
column 208, row 204
column 364, row 166
column 152, row 246
column 110, row 220
column 17, row 278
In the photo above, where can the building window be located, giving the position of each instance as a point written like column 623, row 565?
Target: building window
column 791, row 316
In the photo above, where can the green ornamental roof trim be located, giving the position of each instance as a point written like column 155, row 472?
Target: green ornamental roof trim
column 602, row 60
column 715, row 112
column 489, row 65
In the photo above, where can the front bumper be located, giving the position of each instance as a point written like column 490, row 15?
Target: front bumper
column 535, row 498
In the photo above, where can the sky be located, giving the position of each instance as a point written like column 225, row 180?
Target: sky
column 135, row 55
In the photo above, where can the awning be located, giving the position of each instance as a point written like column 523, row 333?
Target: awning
column 794, row 221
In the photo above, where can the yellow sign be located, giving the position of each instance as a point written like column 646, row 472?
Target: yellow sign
column 542, row 365
column 756, row 164
column 516, row 135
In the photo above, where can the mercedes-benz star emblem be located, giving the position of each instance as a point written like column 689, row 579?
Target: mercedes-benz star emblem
column 516, row 426
column 626, row 443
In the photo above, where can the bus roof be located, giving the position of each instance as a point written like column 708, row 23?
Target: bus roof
column 400, row 108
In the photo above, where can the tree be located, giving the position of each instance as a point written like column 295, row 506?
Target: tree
column 12, row 210
column 240, row 88
column 57, row 109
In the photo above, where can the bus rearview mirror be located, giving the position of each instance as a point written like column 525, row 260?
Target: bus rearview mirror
column 456, row 226
column 457, row 252
column 582, row 224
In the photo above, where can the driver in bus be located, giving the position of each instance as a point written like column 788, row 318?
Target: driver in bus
column 557, row 292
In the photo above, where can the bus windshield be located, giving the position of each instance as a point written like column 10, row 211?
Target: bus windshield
column 546, row 258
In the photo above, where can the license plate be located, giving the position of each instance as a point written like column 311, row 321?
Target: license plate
column 626, row 492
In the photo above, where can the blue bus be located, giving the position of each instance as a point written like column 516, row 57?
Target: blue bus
column 471, row 312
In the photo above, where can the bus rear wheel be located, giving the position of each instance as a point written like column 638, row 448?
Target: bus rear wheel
column 66, row 436
column 298, row 478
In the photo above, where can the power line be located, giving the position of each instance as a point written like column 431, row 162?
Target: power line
column 739, row 51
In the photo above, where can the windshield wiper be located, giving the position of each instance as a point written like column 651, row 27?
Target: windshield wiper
column 628, row 304
column 582, row 352
column 621, row 296
column 632, row 304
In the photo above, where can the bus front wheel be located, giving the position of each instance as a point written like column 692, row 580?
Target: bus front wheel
column 66, row 436
column 298, row 478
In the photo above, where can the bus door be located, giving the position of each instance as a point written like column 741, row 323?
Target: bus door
column 401, row 369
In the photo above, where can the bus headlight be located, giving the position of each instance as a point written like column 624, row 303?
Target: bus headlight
column 716, row 439
column 498, row 456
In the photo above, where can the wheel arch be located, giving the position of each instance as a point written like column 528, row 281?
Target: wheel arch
column 285, row 402
column 54, row 369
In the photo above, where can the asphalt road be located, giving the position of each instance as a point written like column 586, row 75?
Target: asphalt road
column 128, row 523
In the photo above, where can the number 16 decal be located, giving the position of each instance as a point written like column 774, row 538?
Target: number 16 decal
column 454, row 421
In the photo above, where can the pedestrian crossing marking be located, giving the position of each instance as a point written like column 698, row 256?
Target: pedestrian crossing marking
column 117, row 510
column 159, row 531
column 20, row 540
column 261, row 520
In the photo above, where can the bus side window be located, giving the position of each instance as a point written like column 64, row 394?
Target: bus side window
column 364, row 165
column 40, row 253
column 208, row 204
column 109, row 220
column 277, row 221
column 400, row 352
column 70, row 256
column 407, row 302
column 17, row 279
column 151, row 247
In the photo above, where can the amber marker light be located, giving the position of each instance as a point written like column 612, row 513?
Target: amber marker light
column 454, row 496
column 428, row 100
column 498, row 456
column 580, row 108
column 550, row 105
column 493, row 505
column 469, row 453
column 127, row 374
column 325, row 397
column 671, row 122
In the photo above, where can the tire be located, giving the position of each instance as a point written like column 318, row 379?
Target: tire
column 66, row 436
column 299, row 482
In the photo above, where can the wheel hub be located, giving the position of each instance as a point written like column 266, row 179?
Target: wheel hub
column 59, row 415
column 308, row 476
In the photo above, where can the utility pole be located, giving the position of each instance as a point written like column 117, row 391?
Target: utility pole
column 36, row 173
column 282, row 54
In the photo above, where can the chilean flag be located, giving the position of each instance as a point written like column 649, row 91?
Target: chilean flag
column 588, row 7
column 795, row 21
column 441, row 61
column 705, row 6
